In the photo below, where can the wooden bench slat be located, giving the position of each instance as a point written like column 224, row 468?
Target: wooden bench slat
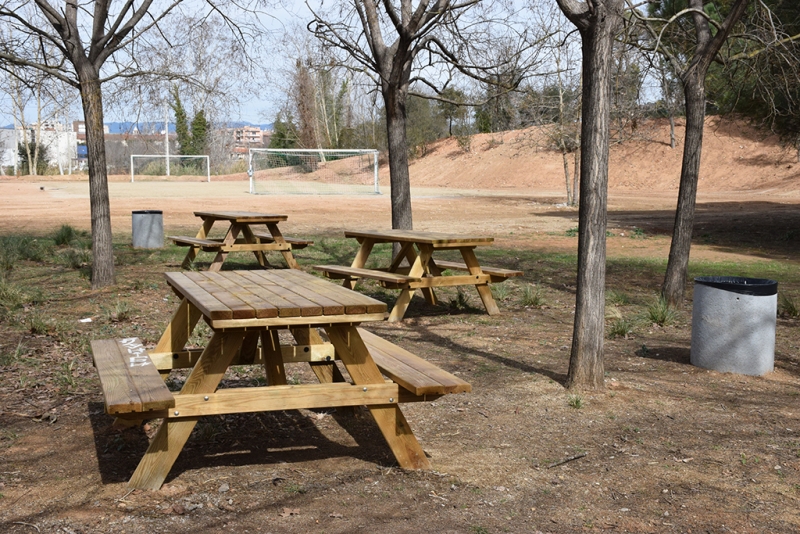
column 295, row 242
column 354, row 303
column 438, row 240
column 264, row 288
column 494, row 271
column 329, row 306
column 238, row 307
column 186, row 241
column 410, row 371
column 357, row 272
column 307, row 307
column 207, row 304
column 129, row 379
column 241, row 288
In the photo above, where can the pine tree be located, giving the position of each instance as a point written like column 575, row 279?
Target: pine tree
column 199, row 134
column 181, row 124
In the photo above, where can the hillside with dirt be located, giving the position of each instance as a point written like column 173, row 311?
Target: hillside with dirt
column 736, row 157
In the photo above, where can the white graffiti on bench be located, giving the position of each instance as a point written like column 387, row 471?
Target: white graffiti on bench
column 135, row 347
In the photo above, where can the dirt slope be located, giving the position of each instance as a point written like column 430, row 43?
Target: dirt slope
column 736, row 156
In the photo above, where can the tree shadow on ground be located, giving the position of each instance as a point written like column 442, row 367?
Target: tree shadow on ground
column 432, row 338
column 763, row 229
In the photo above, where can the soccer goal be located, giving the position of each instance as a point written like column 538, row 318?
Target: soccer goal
column 148, row 167
column 315, row 172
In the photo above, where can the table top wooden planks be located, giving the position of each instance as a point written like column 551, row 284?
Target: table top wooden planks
column 240, row 299
column 241, row 217
column 435, row 239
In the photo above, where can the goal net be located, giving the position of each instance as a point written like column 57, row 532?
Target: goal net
column 149, row 168
column 314, row 172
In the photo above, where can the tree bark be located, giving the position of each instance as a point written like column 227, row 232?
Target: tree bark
column 678, row 264
column 102, row 242
column 395, row 101
column 586, row 368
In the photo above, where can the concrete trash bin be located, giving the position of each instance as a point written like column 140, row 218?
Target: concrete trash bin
column 147, row 229
column 733, row 324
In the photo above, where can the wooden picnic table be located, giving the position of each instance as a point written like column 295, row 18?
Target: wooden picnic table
column 422, row 271
column 243, row 308
column 240, row 237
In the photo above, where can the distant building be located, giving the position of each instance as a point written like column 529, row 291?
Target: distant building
column 79, row 127
column 60, row 144
column 248, row 135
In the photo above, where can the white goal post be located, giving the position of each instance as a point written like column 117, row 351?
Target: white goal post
column 162, row 157
column 313, row 171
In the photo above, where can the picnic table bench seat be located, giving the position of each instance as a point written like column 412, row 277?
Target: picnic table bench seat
column 342, row 272
column 418, row 376
column 214, row 245
column 129, row 379
column 494, row 272
column 295, row 242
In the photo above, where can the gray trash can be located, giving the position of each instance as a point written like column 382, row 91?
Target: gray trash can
column 147, row 229
column 733, row 324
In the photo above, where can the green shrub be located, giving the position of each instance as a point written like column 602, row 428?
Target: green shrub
column 69, row 236
column 660, row 312
column 532, row 296
column 620, row 328
column 787, row 306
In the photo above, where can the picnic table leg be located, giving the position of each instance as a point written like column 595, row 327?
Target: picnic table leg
column 273, row 359
column 483, row 289
column 390, row 419
column 426, row 251
column 249, row 237
column 194, row 249
column 179, row 329
column 247, row 354
column 326, row 372
column 230, row 239
column 417, row 270
column 360, row 260
column 172, row 435
column 278, row 237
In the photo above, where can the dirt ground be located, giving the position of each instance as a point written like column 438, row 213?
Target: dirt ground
column 666, row 447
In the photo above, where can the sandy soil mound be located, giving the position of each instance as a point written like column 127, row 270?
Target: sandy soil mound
column 736, row 156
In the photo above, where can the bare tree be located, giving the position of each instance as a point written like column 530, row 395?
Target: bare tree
column 86, row 45
column 387, row 39
column 597, row 21
column 701, row 49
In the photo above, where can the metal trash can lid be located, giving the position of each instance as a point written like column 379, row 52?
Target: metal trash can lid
column 759, row 287
column 146, row 212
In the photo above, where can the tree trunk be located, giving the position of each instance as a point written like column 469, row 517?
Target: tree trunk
column 586, row 357
column 398, row 158
column 102, row 245
column 678, row 264
column 671, row 129
column 566, row 173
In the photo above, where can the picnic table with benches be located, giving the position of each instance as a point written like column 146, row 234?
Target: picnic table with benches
column 240, row 237
column 422, row 272
column 244, row 308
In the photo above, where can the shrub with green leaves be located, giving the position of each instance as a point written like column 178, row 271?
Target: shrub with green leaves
column 619, row 328
column 661, row 313
column 787, row 306
column 68, row 236
column 532, row 296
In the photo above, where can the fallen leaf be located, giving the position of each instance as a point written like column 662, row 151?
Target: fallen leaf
column 335, row 515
